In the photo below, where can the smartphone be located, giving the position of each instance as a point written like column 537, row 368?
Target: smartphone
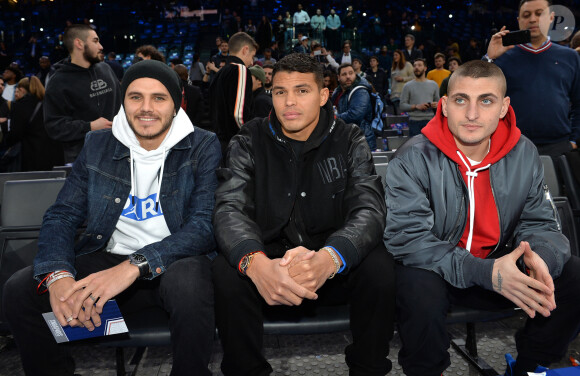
column 516, row 37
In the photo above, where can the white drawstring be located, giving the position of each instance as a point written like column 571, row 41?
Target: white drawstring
column 471, row 175
column 159, row 178
column 132, row 162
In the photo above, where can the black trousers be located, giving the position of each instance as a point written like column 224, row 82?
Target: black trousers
column 185, row 291
column 423, row 299
column 369, row 288
column 554, row 150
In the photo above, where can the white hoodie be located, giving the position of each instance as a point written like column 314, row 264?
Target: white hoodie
column 142, row 221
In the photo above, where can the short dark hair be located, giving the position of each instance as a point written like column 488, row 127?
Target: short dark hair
column 181, row 71
column 373, row 57
column 478, row 69
column 239, row 40
column 522, row 2
column 151, row 51
column 16, row 71
column 301, row 63
column 80, row 31
column 421, row 59
column 410, row 36
column 344, row 65
column 271, row 66
column 454, row 58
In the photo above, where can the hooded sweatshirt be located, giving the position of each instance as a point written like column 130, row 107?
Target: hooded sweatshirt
column 482, row 230
column 76, row 96
column 142, row 221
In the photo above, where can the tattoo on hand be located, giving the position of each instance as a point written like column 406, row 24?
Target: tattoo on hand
column 497, row 286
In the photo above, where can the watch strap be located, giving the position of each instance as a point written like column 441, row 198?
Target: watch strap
column 141, row 262
column 246, row 261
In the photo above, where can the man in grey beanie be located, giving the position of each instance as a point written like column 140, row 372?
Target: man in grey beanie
column 262, row 100
column 145, row 190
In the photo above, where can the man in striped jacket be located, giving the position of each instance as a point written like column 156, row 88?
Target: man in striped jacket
column 231, row 90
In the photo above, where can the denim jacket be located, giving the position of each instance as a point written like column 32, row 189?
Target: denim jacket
column 97, row 190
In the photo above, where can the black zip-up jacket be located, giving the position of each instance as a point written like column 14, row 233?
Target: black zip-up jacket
column 329, row 195
column 231, row 99
column 75, row 96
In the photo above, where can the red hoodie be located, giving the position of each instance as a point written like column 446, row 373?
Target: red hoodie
column 484, row 228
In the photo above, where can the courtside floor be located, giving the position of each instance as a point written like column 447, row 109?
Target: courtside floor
column 296, row 355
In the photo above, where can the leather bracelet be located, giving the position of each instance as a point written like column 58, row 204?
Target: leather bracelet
column 334, row 259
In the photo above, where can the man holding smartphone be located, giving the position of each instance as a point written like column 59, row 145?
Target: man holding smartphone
column 551, row 120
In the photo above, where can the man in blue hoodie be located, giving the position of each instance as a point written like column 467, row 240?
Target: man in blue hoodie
column 146, row 192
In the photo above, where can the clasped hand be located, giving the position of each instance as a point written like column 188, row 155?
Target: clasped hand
column 533, row 293
column 83, row 300
column 291, row 279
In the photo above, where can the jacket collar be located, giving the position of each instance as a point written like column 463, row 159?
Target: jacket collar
column 122, row 152
column 234, row 59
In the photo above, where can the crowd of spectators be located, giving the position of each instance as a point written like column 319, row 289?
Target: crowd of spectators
column 381, row 44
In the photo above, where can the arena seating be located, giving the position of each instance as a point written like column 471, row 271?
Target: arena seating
column 18, row 246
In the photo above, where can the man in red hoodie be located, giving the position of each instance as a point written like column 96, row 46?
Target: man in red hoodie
column 456, row 195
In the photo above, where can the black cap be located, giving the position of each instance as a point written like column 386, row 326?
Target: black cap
column 158, row 71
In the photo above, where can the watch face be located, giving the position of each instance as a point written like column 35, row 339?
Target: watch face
column 245, row 262
column 138, row 258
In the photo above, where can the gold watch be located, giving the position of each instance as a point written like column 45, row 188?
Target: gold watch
column 247, row 261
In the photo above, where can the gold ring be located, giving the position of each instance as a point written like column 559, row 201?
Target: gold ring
column 69, row 319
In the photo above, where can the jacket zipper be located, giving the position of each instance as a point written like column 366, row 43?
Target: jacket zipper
column 455, row 225
column 295, row 202
column 549, row 198
column 498, row 214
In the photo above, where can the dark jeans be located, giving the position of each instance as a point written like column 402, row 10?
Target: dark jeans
column 369, row 135
column 423, row 300
column 369, row 288
column 415, row 126
column 185, row 291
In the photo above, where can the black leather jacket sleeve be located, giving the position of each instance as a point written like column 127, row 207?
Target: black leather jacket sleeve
column 236, row 233
column 363, row 205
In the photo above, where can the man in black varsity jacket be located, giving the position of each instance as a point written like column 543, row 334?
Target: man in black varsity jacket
column 298, row 220
column 230, row 92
